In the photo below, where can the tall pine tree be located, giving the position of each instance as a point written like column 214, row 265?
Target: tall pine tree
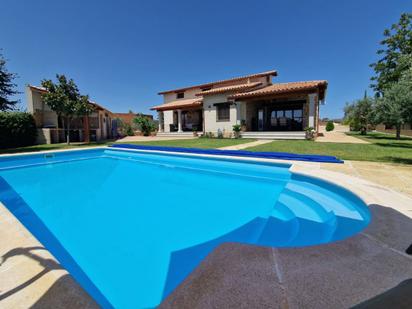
column 7, row 87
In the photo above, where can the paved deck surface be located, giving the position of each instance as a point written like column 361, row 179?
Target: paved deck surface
column 246, row 145
column 336, row 275
column 151, row 138
column 338, row 136
column 397, row 177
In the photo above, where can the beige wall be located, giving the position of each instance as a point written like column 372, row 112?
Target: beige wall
column 210, row 120
column 43, row 115
column 168, row 120
column 405, row 130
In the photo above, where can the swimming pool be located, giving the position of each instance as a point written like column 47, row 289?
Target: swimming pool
column 130, row 226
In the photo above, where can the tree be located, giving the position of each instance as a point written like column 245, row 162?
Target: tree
column 65, row 99
column 397, row 44
column 395, row 108
column 7, row 87
column 144, row 124
column 360, row 114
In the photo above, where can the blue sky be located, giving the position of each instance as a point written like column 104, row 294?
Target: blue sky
column 122, row 53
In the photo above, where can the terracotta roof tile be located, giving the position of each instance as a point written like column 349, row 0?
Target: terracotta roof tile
column 178, row 104
column 266, row 73
column 44, row 90
column 282, row 88
column 229, row 88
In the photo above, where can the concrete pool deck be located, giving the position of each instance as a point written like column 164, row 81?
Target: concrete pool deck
column 336, row 275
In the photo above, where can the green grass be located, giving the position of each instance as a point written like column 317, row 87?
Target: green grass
column 60, row 146
column 383, row 148
column 195, row 143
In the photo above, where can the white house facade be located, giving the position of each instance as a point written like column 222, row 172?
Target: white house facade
column 262, row 108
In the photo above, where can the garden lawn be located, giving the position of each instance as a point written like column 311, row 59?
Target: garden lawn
column 192, row 143
column 60, row 146
column 383, row 148
column 197, row 143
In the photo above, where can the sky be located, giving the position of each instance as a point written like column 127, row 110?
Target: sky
column 122, row 53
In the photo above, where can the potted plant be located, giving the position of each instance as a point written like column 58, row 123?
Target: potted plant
column 194, row 132
column 309, row 133
column 243, row 125
column 236, row 130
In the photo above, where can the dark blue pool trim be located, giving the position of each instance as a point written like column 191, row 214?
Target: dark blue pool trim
column 236, row 153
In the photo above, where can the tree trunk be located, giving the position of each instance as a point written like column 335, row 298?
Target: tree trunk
column 68, row 132
column 86, row 129
column 398, row 131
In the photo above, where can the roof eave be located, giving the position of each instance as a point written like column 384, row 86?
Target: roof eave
column 268, row 73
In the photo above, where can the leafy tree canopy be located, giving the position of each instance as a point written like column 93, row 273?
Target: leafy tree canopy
column 144, row 124
column 395, row 108
column 65, row 99
column 396, row 48
column 7, row 87
column 360, row 114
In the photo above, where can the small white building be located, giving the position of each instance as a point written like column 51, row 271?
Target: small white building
column 50, row 128
column 264, row 109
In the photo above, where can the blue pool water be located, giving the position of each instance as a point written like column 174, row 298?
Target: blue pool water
column 130, row 226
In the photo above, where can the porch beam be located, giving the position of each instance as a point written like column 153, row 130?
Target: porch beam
column 161, row 121
column 179, row 121
column 312, row 100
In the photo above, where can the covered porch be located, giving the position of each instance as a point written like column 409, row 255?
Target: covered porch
column 180, row 116
column 187, row 120
column 275, row 115
column 283, row 108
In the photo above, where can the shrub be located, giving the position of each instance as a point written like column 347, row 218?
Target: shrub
column 207, row 135
column 236, row 129
column 330, row 126
column 144, row 124
column 219, row 133
column 309, row 133
column 127, row 129
column 17, row 129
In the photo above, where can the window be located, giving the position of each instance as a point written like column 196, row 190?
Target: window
column 180, row 95
column 223, row 112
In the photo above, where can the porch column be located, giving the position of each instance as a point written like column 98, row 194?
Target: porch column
column 161, row 121
column 312, row 109
column 179, row 121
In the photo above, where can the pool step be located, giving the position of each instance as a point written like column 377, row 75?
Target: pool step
column 296, row 218
column 280, row 227
column 328, row 200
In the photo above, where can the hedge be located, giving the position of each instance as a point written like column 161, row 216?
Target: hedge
column 17, row 129
column 330, row 126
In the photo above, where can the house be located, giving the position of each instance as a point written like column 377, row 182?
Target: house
column 264, row 109
column 50, row 127
column 128, row 117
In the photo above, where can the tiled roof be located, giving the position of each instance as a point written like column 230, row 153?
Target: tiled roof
column 40, row 89
column 283, row 88
column 95, row 104
column 178, row 104
column 267, row 73
column 229, row 88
